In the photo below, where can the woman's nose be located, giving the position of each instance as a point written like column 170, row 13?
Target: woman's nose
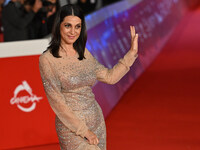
column 72, row 30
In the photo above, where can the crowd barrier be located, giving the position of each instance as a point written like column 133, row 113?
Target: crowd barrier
column 26, row 117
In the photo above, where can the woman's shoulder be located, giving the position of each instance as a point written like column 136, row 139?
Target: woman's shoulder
column 45, row 55
column 87, row 53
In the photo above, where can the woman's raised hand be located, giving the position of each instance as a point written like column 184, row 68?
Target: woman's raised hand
column 91, row 137
column 134, row 41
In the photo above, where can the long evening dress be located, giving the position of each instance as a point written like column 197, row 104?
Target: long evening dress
column 68, row 86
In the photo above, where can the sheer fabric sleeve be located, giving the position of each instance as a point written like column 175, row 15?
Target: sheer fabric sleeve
column 112, row 76
column 56, row 98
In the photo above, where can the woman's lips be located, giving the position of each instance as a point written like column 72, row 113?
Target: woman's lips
column 71, row 37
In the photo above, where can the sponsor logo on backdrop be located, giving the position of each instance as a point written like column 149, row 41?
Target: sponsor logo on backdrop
column 23, row 100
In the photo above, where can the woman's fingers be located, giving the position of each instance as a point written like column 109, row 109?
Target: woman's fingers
column 94, row 141
column 92, row 138
column 135, row 43
column 97, row 141
column 132, row 28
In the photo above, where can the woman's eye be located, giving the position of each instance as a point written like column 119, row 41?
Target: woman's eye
column 77, row 27
column 67, row 25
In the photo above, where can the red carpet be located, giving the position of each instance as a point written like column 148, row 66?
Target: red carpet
column 161, row 111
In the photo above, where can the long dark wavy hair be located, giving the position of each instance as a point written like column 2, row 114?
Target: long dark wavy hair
column 79, row 44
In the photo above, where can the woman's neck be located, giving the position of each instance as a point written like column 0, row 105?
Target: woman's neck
column 68, row 49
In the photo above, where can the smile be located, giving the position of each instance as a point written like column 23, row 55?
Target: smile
column 71, row 37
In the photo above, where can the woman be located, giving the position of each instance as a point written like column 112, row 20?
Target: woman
column 68, row 71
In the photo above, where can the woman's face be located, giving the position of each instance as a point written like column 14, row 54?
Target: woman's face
column 70, row 29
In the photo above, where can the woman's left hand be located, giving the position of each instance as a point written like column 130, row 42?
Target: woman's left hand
column 134, row 41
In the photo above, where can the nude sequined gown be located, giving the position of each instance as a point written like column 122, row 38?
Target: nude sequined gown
column 68, row 86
